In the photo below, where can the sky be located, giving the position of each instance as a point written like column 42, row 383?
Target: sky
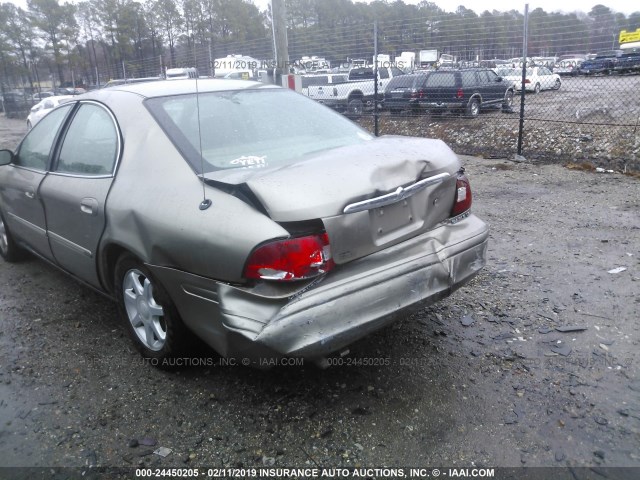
column 624, row 6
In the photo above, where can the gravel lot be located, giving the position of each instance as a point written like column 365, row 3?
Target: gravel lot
column 592, row 120
column 484, row 378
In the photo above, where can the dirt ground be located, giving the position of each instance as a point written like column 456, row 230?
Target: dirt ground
column 534, row 363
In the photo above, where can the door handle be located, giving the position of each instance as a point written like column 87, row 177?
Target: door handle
column 30, row 194
column 89, row 206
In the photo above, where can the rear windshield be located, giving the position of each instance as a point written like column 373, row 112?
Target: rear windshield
column 407, row 81
column 250, row 128
column 361, row 74
column 441, row 79
column 312, row 81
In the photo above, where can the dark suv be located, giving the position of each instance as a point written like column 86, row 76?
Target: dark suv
column 405, row 92
column 466, row 91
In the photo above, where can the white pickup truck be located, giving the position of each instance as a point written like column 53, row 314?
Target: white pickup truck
column 353, row 96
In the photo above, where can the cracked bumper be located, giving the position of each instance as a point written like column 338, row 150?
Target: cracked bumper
column 320, row 318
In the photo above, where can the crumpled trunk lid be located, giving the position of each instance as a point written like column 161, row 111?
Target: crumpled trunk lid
column 337, row 186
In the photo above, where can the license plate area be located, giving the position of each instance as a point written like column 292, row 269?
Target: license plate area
column 392, row 221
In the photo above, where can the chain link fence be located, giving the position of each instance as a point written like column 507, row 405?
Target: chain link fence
column 450, row 77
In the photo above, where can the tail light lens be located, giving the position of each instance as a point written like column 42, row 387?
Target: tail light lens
column 460, row 93
column 291, row 259
column 526, row 80
column 462, row 201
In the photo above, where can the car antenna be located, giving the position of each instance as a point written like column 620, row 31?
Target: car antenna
column 206, row 203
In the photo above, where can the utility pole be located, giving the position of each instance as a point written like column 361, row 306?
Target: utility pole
column 375, row 79
column 525, row 39
column 280, row 44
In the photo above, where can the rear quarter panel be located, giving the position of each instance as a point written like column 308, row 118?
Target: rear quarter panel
column 153, row 205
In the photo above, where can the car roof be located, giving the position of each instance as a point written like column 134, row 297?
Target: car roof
column 178, row 87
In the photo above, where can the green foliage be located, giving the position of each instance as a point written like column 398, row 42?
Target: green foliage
column 102, row 39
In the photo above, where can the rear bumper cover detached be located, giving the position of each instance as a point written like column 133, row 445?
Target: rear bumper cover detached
column 324, row 316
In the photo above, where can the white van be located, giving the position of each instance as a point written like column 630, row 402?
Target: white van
column 180, row 73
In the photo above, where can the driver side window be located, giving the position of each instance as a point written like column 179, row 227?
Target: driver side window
column 36, row 146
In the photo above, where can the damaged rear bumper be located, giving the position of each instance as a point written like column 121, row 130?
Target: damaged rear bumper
column 322, row 317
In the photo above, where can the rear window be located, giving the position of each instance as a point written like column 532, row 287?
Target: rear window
column 250, row 128
column 361, row 74
column 441, row 79
column 407, row 81
column 313, row 81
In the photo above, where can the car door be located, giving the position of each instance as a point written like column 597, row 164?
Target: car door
column 20, row 183
column 495, row 85
column 542, row 78
column 75, row 191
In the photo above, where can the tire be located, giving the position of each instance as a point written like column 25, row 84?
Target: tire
column 473, row 108
column 536, row 89
column 557, row 85
column 151, row 317
column 9, row 250
column 355, row 106
column 507, row 103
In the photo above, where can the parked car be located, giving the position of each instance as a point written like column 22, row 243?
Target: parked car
column 358, row 93
column 322, row 81
column 603, row 62
column 124, row 81
column 40, row 95
column 628, row 62
column 43, row 107
column 16, row 103
column 181, row 73
column 568, row 66
column 536, row 79
column 240, row 75
column 493, row 64
column 406, row 92
column 466, row 91
column 240, row 212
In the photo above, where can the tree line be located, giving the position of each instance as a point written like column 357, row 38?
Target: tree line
column 94, row 40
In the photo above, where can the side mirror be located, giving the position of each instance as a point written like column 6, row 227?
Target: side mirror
column 35, row 108
column 6, row 157
column 499, row 79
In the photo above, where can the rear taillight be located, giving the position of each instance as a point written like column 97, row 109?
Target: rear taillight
column 291, row 259
column 460, row 93
column 526, row 80
column 462, row 201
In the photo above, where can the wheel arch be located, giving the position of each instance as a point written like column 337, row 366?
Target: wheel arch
column 107, row 261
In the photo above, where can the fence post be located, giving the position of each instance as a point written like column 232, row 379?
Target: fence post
column 524, row 76
column 375, row 79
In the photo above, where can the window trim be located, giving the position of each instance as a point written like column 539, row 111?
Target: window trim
column 56, row 155
column 54, row 145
